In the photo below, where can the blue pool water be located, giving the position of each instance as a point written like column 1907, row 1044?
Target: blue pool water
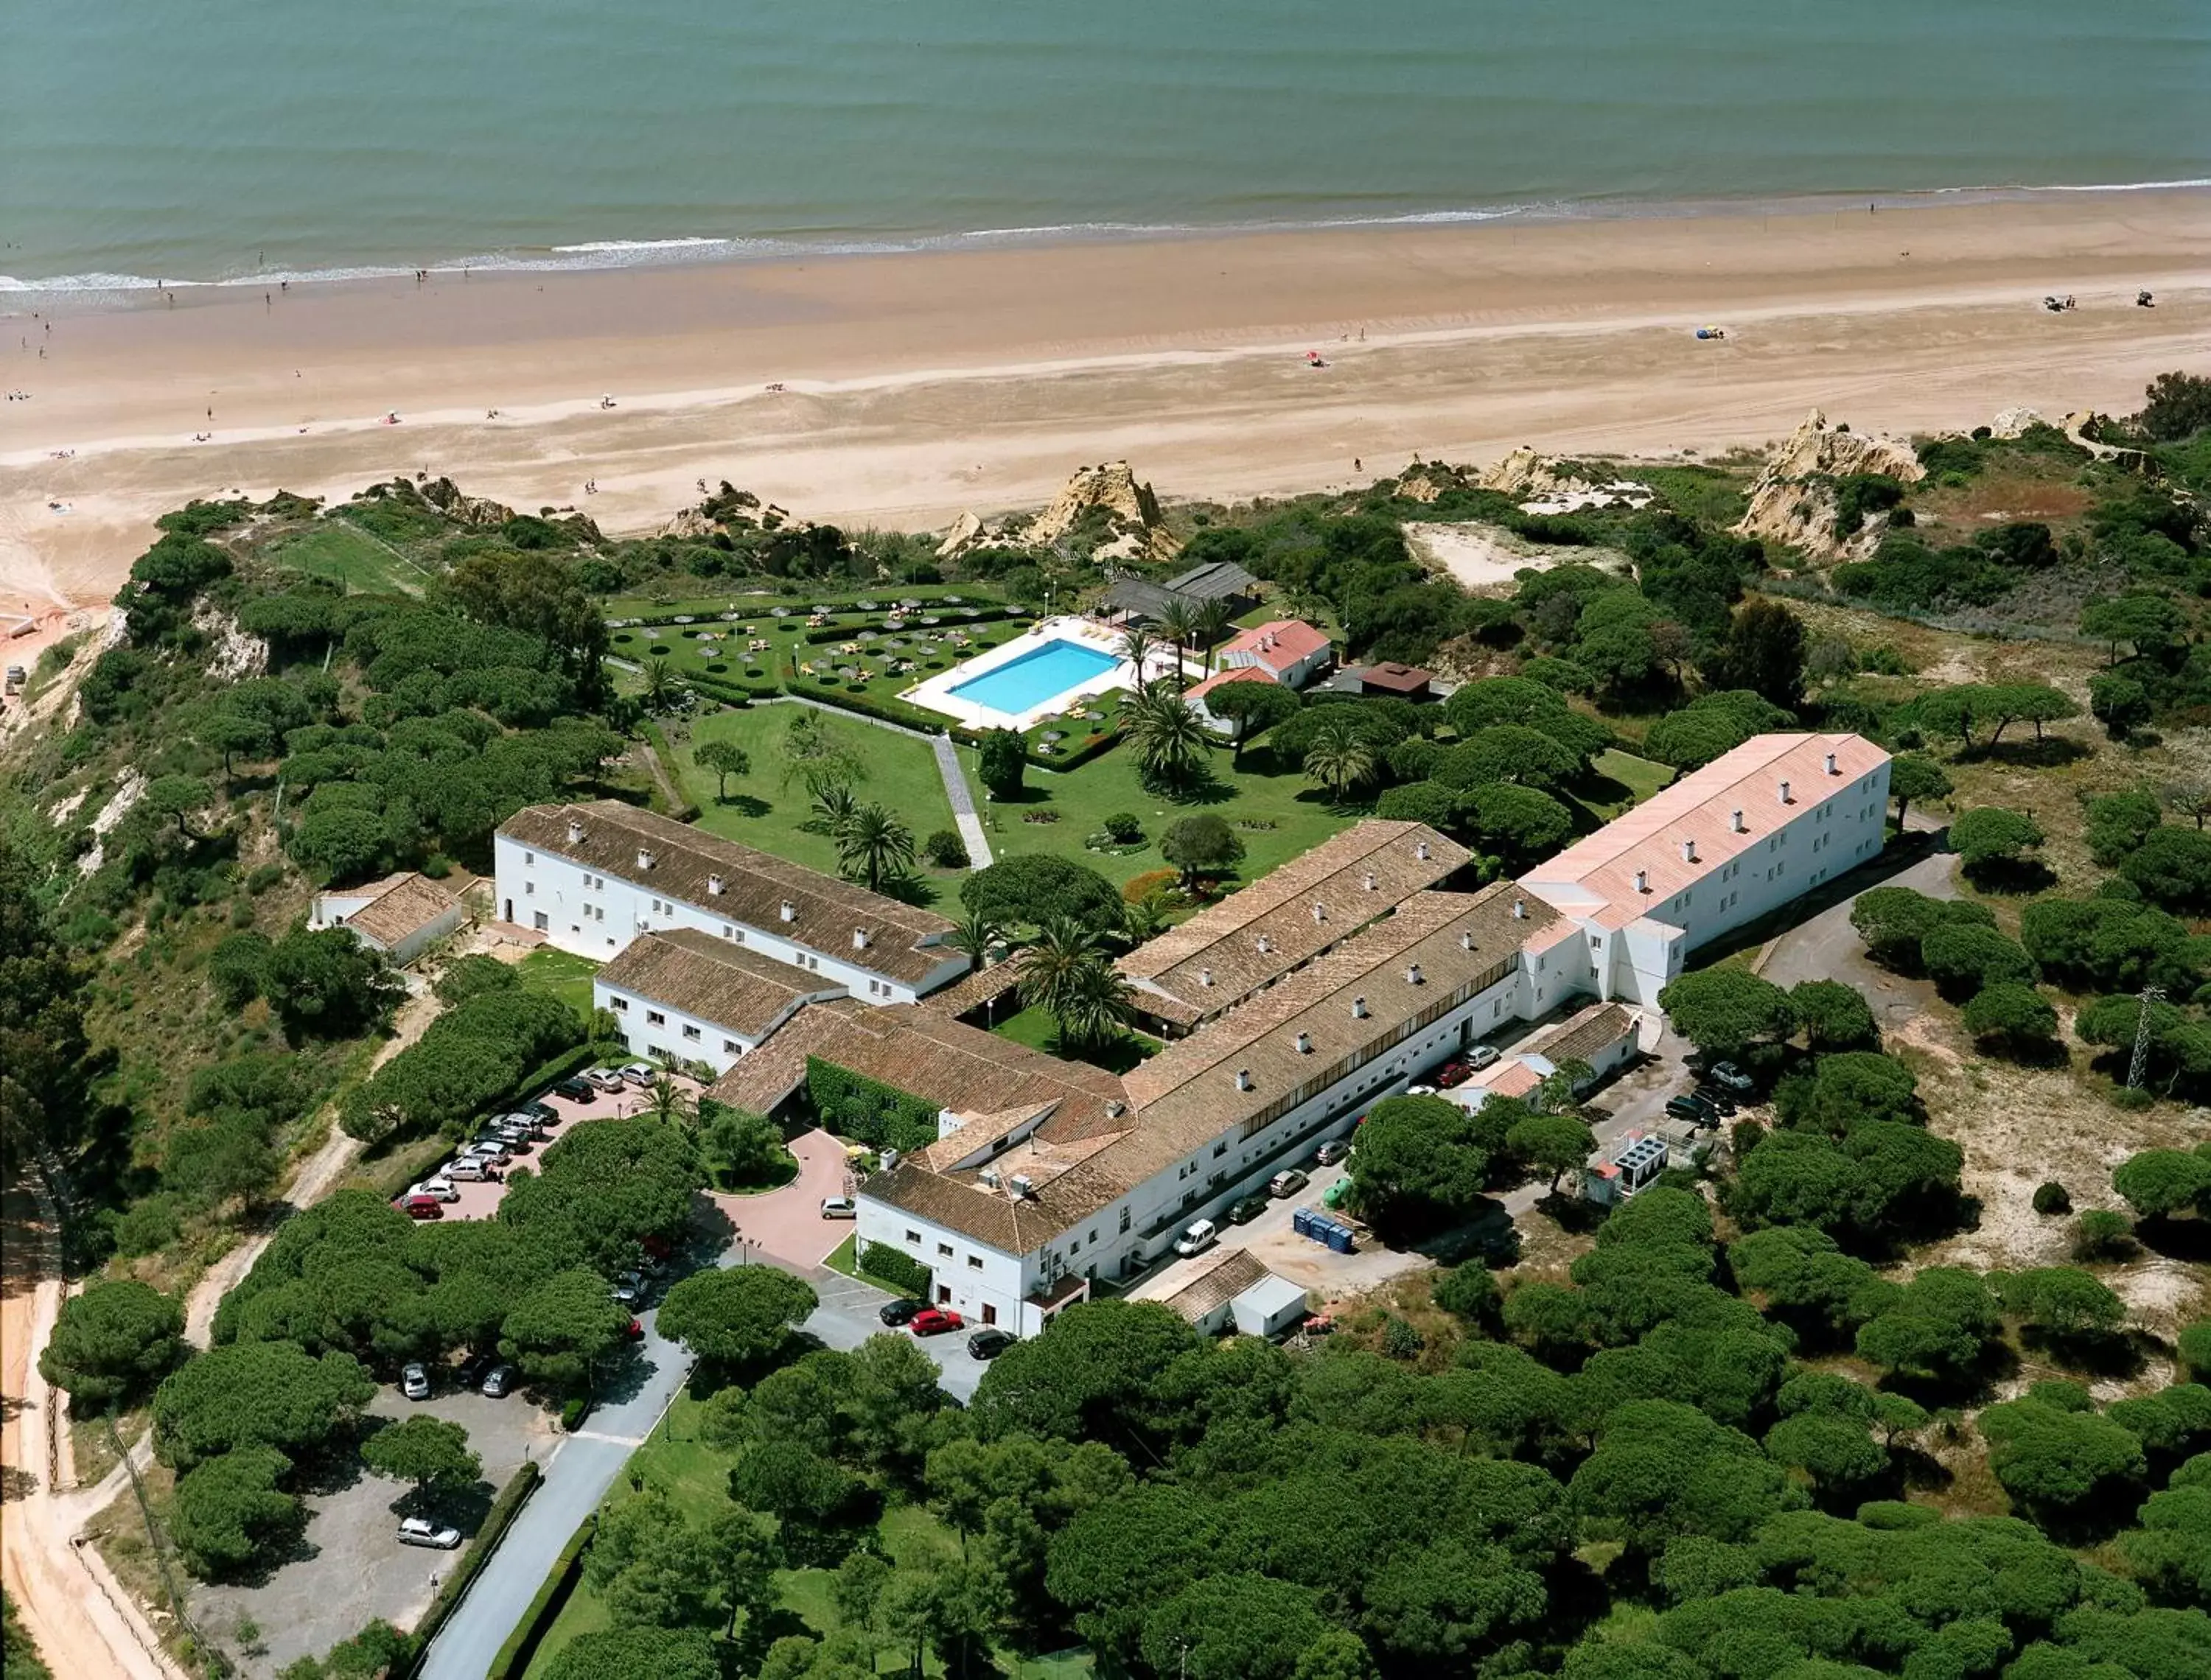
column 1036, row 678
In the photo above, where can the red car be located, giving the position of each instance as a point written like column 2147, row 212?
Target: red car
column 420, row 1208
column 936, row 1321
column 634, row 1332
column 1454, row 1073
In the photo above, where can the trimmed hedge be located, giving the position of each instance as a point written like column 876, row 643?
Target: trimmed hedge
column 895, row 1266
column 504, row 1510
column 880, row 1116
column 514, row 1656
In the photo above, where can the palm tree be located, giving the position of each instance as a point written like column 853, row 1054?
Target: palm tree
column 1341, row 758
column 835, row 806
column 974, row 933
column 1212, row 618
column 668, row 1103
column 873, row 845
column 1067, row 973
column 1137, row 644
column 1178, row 622
column 1172, row 744
column 662, row 689
column 1147, row 918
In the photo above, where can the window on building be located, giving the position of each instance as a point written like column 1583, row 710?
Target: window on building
column 621, row 1005
column 529, row 889
column 730, row 933
column 690, row 1033
column 1220, row 1149
column 914, row 1238
column 530, row 859
column 732, row 1047
column 1124, row 1221
column 974, row 1262
column 990, row 1314
column 944, row 1250
column 655, row 1017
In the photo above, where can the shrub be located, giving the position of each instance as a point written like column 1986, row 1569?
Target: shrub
column 1124, row 829
column 1138, row 888
column 945, row 849
column 896, row 1267
column 2100, row 1234
column 572, row 1413
column 2051, row 1198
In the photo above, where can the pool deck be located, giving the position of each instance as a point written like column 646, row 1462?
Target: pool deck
column 936, row 692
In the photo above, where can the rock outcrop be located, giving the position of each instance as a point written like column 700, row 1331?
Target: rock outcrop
column 1794, row 500
column 1132, row 507
column 1542, row 485
column 2013, row 422
column 963, row 534
column 1430, row 480
column 442, row 494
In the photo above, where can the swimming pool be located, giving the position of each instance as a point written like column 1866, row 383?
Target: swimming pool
column 1036, row 678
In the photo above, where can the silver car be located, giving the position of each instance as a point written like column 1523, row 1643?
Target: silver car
column 422, row 1532
column 414, row 1383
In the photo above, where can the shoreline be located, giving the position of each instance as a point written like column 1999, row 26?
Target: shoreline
column 905, row 390
column 686, row 250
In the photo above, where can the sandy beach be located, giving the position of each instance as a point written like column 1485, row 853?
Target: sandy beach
column 914, row 387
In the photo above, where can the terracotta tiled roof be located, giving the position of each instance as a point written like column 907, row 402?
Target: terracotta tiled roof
column 1511, row 1077
column 1304, row 906
column 902, row 942
column 712, row 979
column 1234, row 674
column 981, row 987
column 1584, row 1036
column 1697, row 815
column 771, row 1072
column 1234, row 1272
column 1278, row 645
column 398, row 906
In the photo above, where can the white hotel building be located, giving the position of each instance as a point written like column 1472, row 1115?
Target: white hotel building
column 1300, row 1001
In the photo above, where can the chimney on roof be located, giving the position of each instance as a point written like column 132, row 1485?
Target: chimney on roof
column 1831, row 770
column 859, row 939
column 1734, row 819
column 1367, row 880
column 1465, row 939
column 1358, row 1009
column 1205, row 976
column 1305, row 1043
column 1688, row 851
column 714, row 885
column 1114, row 1110
column 1243, row 1078
column 1413, row 975
column 1320, row 911
column 575, row 832
column 1642, row 880
column 1785, row 792
column 644, row 857
column 1519, row 909
column 1266, row 944
column 1420, row 850
column 789, row 912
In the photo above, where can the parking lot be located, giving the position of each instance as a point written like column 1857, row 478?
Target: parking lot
column 351, row 1568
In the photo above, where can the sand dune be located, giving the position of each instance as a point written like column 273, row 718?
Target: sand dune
column 917, row 386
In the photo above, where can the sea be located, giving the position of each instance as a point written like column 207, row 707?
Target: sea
column 235, row 141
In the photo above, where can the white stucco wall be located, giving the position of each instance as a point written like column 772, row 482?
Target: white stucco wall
column 687, row 1036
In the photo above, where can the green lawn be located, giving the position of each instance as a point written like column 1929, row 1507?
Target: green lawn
column 562, row 975
column 1625, row 782
column 843, row 1260
column 1036, row 1029
column 653, row 606
column 333, row 549
column 696, row 1476
column 1287, row 815
column 896, row 770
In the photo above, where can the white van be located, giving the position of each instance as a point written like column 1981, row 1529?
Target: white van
column 1196, row 1239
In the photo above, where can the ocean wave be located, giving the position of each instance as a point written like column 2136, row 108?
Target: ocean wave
column 599, row 254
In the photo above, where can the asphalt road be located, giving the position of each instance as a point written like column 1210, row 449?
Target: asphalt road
column 584, row 1466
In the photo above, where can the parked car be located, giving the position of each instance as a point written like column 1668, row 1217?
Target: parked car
column 422, row 1532
column 420, row 1207
column 544, row 1113
column 500, row 1381
column 525, row 1124
column 1683, row 1108
column 633, row 1330
column 640, row 1073
column 629, row 1289
column 1287, row 1182
column 1727, row 1073
column 896, row 1313
column 1245, row 1212
column 414, row 1383
column 839, row 1207
column 1331, row 1152
column 934, row 1321
column 491, row 1154
column 1197, row 1237
column 989, row 1344
column 607, row 1078
column 1480, row 1056
column 1719, row 1100
column 1453, row 1074
column 513, row 1143
column 575, row 1091
column 441, row 1187
column 1420, row 1090
column 477, row 1368
column 471, row 1169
